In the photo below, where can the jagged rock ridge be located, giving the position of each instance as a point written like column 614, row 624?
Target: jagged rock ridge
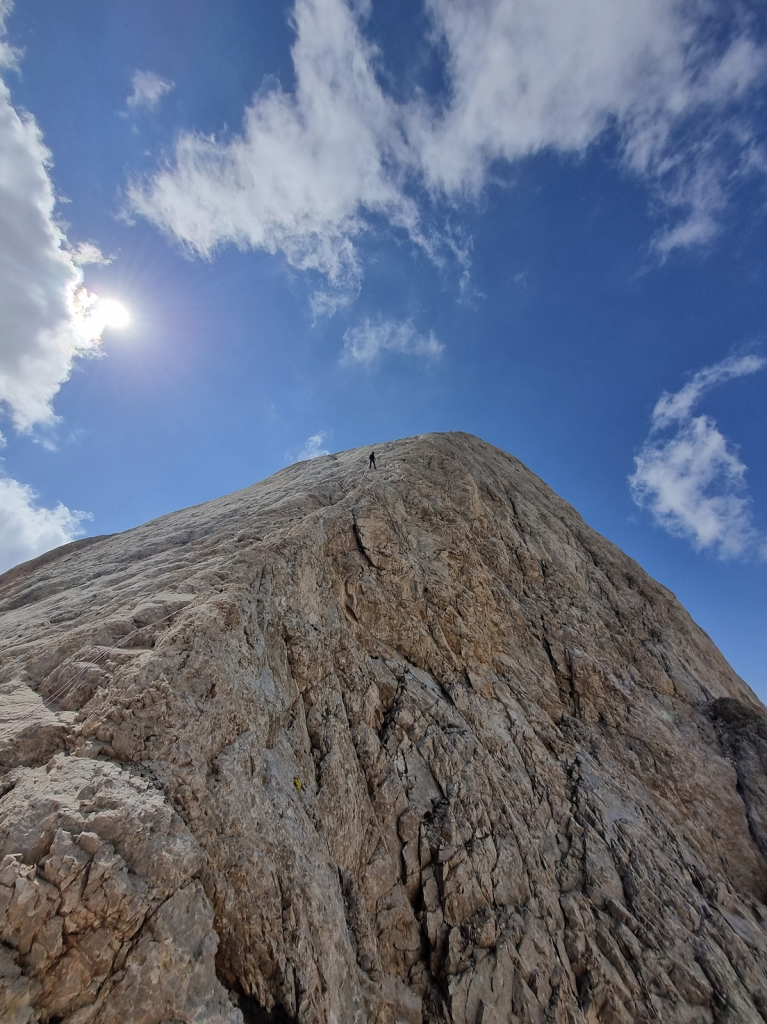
column 407, row 745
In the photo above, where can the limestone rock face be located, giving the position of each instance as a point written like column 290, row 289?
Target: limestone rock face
column 396, row 746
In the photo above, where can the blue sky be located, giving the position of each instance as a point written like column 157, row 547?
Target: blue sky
column 335, row 223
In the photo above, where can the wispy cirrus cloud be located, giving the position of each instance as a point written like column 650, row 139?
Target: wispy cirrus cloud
column 693, row 481
column 366, row 342
column 148, row 89
column 678, row 406
column 312, row 448
column 311, row 169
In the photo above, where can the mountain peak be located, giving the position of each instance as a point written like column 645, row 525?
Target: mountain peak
column 410, row 743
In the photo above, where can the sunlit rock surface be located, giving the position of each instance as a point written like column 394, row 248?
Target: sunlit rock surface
column 347, row 746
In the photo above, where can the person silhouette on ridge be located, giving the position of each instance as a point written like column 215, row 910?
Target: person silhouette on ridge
column 372, row 461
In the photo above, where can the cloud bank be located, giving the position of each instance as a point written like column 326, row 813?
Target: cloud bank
column 365, row 343
column 693, row 481
column 26, row 530
column 49, row 318
column 47, row 313
column 310, row 168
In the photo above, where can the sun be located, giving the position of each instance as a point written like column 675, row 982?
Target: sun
column 113, row 313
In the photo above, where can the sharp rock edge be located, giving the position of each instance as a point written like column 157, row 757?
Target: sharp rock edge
column 404, row 745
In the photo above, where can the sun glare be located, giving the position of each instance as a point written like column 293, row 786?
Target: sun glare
column 113, row 313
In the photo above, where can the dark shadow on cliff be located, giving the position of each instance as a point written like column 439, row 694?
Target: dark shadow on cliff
column 742, row 732
column 254, row 1013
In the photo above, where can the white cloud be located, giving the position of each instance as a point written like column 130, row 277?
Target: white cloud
column 8, row 55
column 679, row 405
column 532, row 76
column 309, row 168
column 26, row 530
column 87, row 252
column 48, row 317
column 148, row 89
column 693, row 481
column 365, row 343
column 305, row 168
column 46, row 312
column 313, row 449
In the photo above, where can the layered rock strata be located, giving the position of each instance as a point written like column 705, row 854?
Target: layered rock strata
column 396, row 746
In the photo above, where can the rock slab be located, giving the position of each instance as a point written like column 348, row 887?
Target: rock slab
column 406, row 745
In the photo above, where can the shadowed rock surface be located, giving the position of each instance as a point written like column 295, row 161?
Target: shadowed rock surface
column 407, row 745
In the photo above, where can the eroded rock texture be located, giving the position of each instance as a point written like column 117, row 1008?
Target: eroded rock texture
column 407, row 745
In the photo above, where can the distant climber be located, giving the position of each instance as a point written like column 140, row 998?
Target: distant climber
column 372, row 461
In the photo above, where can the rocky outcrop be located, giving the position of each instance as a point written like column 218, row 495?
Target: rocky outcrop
column 407, row 745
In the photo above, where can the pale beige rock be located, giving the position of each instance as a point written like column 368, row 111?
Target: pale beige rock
column 406, row 745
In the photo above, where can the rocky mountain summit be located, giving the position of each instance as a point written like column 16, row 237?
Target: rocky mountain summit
column 404, row 745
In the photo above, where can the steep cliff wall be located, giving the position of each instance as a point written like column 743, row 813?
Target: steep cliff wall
column 405, row 745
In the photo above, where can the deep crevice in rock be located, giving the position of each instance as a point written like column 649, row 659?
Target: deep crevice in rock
column 361, row 546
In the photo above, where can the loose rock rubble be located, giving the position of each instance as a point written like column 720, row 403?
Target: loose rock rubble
column 413, row 745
